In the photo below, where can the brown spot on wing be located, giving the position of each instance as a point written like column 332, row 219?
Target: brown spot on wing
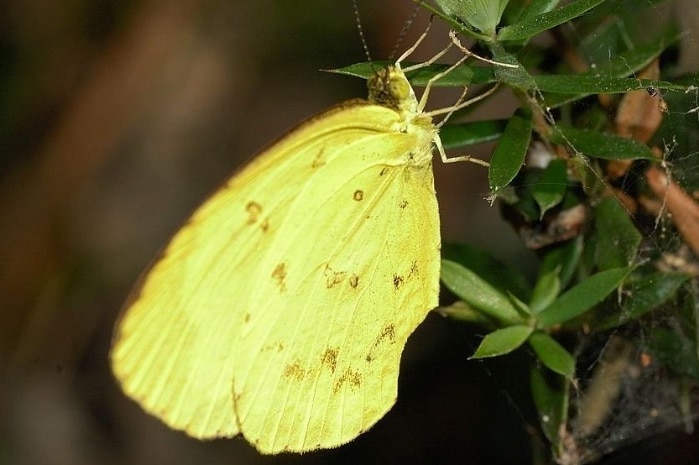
column 279, row 275
column 358, row 195
column 397, row 281
column 329, row 358
column 254, row 211
column 384, row 171
column 275, row 347
column 295, row 371
column 354, row 281
column 386, row 335
column 413, row 269
column 349, row 377
column 403, row 205
column 332, row 277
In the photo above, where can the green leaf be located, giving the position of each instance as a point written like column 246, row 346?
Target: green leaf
column 522, row 308
column 617, row 239
column 467, row 134
column 520, row 194
column 598, row 84
column 476, row 292
column 460, row 76
column 453, row 22
column 490, row 269
column 601, row 144
column 552, row 354
column 582, row 297
column 545, row 291
column 628, row 62
column 645, row 294
column 483, row 15
column 520, row 11
column 563, row 260
column 551, row 397
column 516, row 75
column 549, row 189
column 532, row 26
column 616, row 66
column 509, row 154
column 502, row 341
column 462, row 311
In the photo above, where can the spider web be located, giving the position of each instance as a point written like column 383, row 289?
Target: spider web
column 628, row 396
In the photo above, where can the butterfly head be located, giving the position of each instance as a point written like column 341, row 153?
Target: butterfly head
column 389, row 87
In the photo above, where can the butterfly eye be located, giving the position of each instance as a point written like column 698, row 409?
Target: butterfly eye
column 399, row 88
column 390, row 88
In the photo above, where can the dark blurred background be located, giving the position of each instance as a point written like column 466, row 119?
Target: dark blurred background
column 116, row 120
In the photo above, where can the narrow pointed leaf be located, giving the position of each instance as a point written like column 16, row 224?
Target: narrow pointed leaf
column 545, row 291
column 472, row 133
column 551, row 396
column 509, row 154
column 645, row 295
column 461, row 76
column 502, row 341
column 495, row 272
column 617, row 239
column 532, row 26
column 476, row 292
column 552, row 354
column 587, row 84
column 602, row 145
column 549, row 189
column 582, row 297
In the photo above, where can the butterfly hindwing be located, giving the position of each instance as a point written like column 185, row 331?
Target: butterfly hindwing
column 352, row 275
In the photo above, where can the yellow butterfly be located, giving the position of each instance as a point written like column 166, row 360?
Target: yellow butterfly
column 281, row 308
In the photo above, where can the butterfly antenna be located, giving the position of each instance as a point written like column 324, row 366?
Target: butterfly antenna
column 403, row 32
column 360, row 30
column 417, row 43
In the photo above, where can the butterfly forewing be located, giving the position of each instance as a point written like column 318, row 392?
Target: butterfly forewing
column 176, row 341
